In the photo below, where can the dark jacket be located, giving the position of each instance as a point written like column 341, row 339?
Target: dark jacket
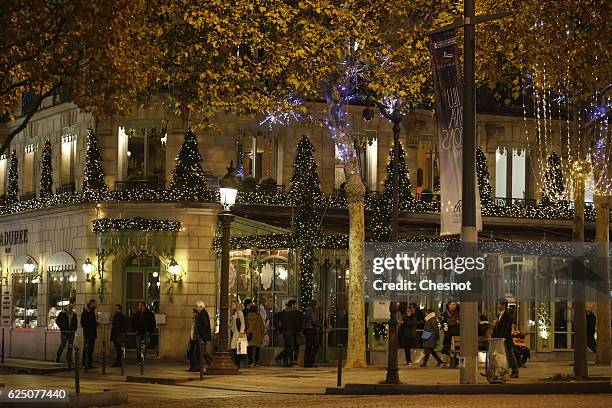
column 431, row 326
column 143, row 322
column 119, row 327
column 89, row 323
column 591, row 323
column 408, row 331
column 312, row 319
column 202, row 326
column 452, row 321
column 503, row 326
column 66, row 324
column 289, row 321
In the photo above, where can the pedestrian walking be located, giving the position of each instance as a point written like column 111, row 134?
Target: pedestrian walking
column 192, row 345
column 503, row 330
column 430, row 337
column 288, row 321
column 237, row 328
column 202, row 335
column 450, row 325
column 591, row 324
column 119, row 329
column 407, row 333
column 256, row 330
column 143, row 323
column 312, row 333
column 89, row 323
column 67, row 322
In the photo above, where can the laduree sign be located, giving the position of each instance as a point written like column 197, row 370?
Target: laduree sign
column 10, row 238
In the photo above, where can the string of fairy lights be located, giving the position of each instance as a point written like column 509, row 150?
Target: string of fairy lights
column 102, row 225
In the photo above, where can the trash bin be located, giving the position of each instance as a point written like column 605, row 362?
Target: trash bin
column 497, row 362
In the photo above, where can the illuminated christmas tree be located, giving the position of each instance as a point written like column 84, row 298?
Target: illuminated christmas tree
column 188, row 178
column 46, row 178
column 484, row 179
column 12, row 187
column 94, row 186
column 305, row 191
column 380, row 224
column 553, row 189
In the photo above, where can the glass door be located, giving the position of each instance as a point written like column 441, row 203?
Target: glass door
column 563, row 325
column 142, row 285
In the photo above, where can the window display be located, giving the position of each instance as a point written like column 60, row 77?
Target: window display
column 61, row 291
column 25, row 301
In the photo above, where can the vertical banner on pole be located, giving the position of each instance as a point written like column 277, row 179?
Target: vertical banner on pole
column 448, row 91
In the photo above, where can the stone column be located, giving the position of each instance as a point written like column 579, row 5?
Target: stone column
column 602, row 238
column 580, row 361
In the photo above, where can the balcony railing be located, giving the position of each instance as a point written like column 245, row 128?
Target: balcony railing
column 28, row 196
column 65, row 189
column 518, row 202
column 130, row 185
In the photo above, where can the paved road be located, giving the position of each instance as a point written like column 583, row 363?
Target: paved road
column 412, row 401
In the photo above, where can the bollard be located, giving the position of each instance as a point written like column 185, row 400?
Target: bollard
column 69, row 353
column 142, row 356
column 3, row 345
column 86, row 361
column 122, row 359
column 201, row 359
column 339, row 382
column 77, row 376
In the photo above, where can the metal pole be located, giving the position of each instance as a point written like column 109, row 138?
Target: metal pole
column 122, row 359
column 397, row 119
column 392, row 370
column 77, row 374
column 70, row 352
column 469, row 232
column 223, row 363
column 339, row 381
column 3, row 345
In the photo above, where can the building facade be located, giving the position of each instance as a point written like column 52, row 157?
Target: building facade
column 131, row 242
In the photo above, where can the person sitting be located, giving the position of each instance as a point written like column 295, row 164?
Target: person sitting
column 521, row 351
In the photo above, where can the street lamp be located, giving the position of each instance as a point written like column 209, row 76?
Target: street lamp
column 29, row 266
column 175, row 271
column 392, row 370
column 223, row 363
column 88, row 269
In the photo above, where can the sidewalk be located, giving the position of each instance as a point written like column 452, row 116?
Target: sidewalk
column 299, row 380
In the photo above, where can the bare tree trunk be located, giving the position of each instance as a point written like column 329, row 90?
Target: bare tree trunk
column 602, row 238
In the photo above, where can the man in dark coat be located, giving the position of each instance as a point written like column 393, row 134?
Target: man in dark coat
column 67, row 323
column 503, row 330
column 89, row 323
column 143, row 323
column 289, row 322
column 119, row 328
column 407, row 333
column 203, row 335
column 450, row 325
column 591, row 324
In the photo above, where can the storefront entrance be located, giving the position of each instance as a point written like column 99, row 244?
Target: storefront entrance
column 142, row 284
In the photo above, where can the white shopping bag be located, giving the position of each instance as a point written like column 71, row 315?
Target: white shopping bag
column 241, row 345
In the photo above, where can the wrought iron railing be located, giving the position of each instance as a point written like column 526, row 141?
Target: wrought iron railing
column 65, row 189
column 28, row 196
column 130, row 185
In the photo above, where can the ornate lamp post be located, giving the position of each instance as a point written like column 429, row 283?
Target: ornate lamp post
column 223, row 364
column 392, row 371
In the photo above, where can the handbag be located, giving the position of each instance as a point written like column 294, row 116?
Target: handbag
column 241, row 345
column 426, row 335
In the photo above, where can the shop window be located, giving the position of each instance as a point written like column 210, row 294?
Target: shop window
column 67, row 158
column 510, row 173
column 25, row 301
column 258, row 155
column 29, row 171
column 143, row 153
column 366, row 149
column 61, row 291
column 3, row 173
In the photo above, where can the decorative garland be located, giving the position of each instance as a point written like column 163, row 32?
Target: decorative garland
column 102, row 225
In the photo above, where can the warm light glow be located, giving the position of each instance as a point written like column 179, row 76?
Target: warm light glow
column 87, row 267
column 29, row 266
column 227, row 196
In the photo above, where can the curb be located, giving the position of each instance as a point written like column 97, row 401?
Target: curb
column 97, row 399
column 586, row 387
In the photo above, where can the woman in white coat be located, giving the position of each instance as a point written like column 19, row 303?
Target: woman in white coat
column 237, row 328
